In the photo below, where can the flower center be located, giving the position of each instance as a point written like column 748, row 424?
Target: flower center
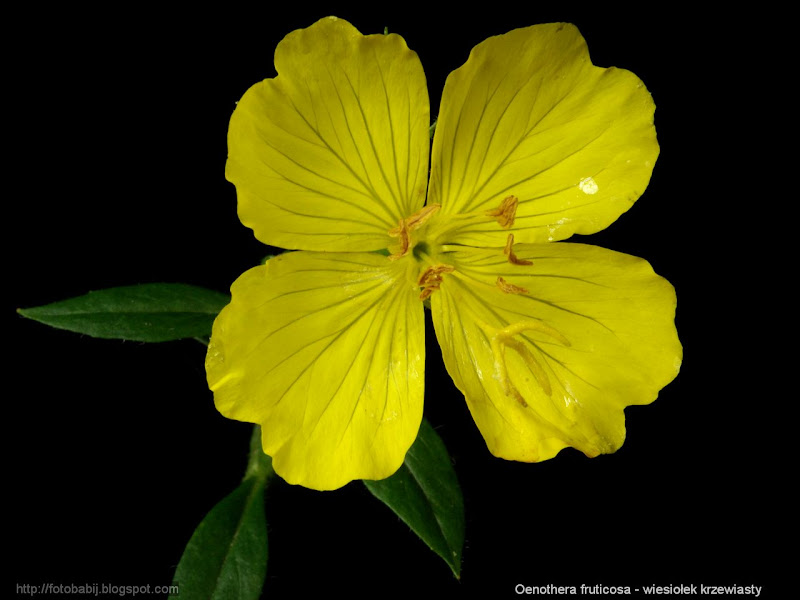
column 421, row 233
column 406, row 226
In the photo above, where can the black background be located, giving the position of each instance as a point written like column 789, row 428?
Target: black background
column 114, row 450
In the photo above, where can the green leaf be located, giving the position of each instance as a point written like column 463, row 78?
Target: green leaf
column 425, row 494
column 227, row 554
column 226, row 558
column 152, row 312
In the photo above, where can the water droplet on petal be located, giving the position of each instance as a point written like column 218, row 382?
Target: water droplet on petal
column 588, row 185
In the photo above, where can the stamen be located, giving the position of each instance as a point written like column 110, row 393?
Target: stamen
column 400, row 231
column 509, row 252
column 431, row 279
column 505, row 213
column 409, row 224
column 418, row 218
column 510, row 288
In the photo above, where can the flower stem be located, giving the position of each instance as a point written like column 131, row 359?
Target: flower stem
column 259, row 465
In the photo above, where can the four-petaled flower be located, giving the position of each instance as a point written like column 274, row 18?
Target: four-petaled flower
column 549, row 342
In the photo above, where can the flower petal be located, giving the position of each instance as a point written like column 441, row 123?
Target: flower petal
column 333, row 152
column 326, row 352
column 529, row 116
column 549, row 354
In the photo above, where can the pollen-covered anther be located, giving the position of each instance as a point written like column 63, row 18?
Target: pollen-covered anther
column 431, row 279
column 401, row 231
column 406, row 226
column 509, row 252
column 421, row 216
column 505, row 213
column 510, row 288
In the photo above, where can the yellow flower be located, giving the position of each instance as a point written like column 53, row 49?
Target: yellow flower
column 549, row 342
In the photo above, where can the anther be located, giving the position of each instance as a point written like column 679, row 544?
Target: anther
column 401, row 231
column 509, row 252
column 422, row 215
column 409, row 224
column 505, row 213
column 510, row 288
column 431, row 279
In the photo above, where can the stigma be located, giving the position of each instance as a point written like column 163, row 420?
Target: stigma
column 507, row 337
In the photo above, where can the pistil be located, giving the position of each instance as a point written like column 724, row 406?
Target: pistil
column 500, row 339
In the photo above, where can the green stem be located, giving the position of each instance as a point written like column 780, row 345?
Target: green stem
column 259, row 465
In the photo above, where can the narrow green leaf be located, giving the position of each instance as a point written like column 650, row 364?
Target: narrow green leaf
column 227, row 554
column 226, row 558
column 425, row 494
column 152, row 312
